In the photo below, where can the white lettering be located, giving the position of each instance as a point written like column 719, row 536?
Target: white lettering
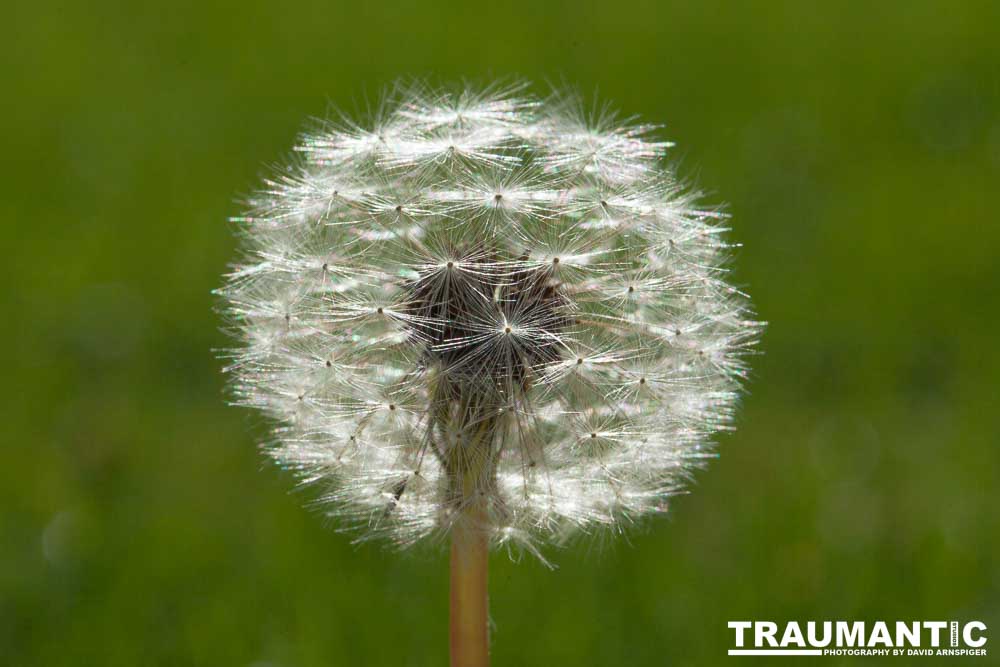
column 859, row 638
column 827, row 634
column 739, row 626
column 765, row 630
column 935, row 627
column 793, row 635
column 967, row 634
column 880, row 635
column 850, row 634
column 907, row 634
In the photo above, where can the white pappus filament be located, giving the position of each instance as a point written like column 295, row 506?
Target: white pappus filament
column 484, row 298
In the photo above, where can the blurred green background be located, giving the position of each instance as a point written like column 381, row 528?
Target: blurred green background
column 857, row 144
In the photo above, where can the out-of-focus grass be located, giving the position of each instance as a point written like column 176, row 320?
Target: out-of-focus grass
column 857, row 144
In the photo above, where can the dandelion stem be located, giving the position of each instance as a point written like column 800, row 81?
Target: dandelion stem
column 469, row 594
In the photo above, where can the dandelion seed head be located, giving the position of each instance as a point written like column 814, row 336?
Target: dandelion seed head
column 484, row 298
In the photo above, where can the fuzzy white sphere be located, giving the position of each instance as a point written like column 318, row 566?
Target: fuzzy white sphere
column 484, row 300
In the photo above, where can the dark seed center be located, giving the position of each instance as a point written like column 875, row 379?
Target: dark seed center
column 452, row 314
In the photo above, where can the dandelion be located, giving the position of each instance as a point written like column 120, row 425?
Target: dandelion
column 486, row 316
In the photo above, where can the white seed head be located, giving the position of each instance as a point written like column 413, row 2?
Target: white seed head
column 485, row 299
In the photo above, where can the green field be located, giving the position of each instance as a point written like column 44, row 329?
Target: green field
column 857, row 145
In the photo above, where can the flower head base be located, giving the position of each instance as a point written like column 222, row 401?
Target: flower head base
column 483, row 300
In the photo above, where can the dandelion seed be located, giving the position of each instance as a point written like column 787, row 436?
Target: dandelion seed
column 489, row 315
